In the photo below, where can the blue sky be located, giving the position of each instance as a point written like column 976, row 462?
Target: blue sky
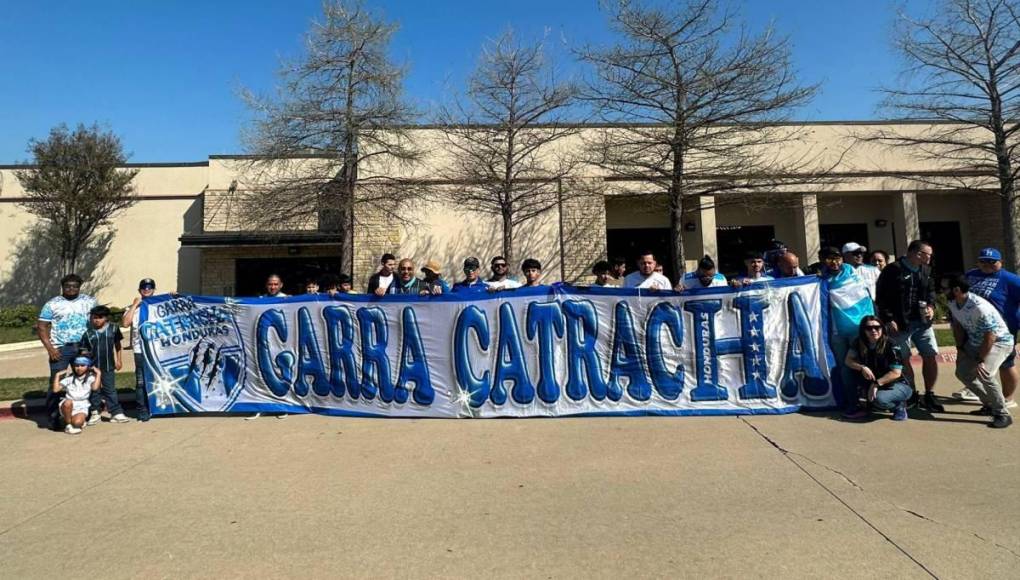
column 164, row 75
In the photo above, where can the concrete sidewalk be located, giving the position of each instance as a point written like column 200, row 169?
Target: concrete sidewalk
column 311, row 496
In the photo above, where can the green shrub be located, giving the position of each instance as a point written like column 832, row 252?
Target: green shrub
column 18, row 316
column 941, row 307
column 25, row 315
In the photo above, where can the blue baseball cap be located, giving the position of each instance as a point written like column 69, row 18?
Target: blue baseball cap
column 83, row 360
column 989, row 254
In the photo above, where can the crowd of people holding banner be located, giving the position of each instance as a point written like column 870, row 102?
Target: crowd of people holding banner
column 880, row 309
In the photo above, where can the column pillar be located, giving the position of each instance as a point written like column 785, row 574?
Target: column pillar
column 808, row 237
column 906, row 222
column 706, row 228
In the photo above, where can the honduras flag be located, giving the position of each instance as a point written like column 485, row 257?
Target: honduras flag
column 849, row 301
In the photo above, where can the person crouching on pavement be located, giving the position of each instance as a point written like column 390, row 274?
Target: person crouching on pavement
column 77, row 384
column 983, row 342
column 877, row 367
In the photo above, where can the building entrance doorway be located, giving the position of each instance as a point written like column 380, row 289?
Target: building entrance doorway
column 836, row 235
column 947, row 247
column 736, row 241
column 628, row 243
column 250, row 273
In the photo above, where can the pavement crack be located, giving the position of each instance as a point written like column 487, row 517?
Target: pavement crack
column 787, row 454
column 945, row 525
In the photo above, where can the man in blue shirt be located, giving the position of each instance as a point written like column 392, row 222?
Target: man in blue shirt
column 1002, row 288
column 472, row 282
column 62, row 321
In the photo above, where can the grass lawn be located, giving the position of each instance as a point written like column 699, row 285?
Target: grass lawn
column 22, row 334
column 13, row 389
column 944, row 336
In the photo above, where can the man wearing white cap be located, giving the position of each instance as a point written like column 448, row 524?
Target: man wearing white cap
column 854, row 254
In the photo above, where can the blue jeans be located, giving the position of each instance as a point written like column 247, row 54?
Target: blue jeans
column 67, row 354
column 141, row 397
column 888, row 399
column 107, row 392
column 844, row 387
column 918, row 333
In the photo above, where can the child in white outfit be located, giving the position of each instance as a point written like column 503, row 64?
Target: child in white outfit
column 77, row 386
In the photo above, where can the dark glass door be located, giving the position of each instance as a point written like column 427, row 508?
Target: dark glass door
column 251, row 273
column 630, row 242
column 736, row 241
column 947, row 247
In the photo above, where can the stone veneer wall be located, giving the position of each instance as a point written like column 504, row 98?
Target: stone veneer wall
column 583, row 220
column 374, row 235
column 985, row 216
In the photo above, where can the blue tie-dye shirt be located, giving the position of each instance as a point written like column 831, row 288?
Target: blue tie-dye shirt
column 978, row 317
column 69, row 318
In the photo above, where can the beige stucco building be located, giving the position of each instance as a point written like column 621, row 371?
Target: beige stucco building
column 185, row 232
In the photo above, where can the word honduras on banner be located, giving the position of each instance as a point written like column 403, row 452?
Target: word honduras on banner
column 532, row 352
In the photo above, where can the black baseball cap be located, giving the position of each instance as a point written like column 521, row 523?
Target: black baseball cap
column 147, row 283
column 471, row 264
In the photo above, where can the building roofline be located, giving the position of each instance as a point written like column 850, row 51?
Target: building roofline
column 125, row 166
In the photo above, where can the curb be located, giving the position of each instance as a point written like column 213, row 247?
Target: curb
column 22, row 408
column 15, row 346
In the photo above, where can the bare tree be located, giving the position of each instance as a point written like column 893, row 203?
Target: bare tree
column 963, row 71
column 76, row 184
column 335, row 136
column 698, row 103
column 502, row 139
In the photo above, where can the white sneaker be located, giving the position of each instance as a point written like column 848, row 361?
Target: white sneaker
column 281, row 416
column 120, row 418
column 253, row 417
column 965, row 395
column 1011, row 404
column 71, row 430
column 94, row 418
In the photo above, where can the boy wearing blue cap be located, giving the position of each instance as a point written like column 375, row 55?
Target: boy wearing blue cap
column 1002, row 288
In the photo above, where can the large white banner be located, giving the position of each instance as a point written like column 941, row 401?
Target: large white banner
column 547, row 351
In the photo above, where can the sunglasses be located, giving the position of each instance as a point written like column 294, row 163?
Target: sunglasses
column 988, row 261
column 873, row 327
column 499, row 265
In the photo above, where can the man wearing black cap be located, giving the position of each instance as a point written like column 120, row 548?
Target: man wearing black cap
column 472, row 281
column 146, row 288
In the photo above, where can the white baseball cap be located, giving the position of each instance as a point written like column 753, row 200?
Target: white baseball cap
column 851, row 247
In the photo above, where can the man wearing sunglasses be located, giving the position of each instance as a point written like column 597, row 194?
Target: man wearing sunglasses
column 1001, row 288
column 62, row 322
column 855, row 255
column 500, row 279
column 904, row 296
column 472, row 282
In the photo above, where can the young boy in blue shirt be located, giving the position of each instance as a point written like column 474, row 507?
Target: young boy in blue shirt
column 102, row 340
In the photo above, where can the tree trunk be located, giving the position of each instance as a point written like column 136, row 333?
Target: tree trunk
column 676, row 235
column 1010, row 207
column 347, row 241
column 508, row 240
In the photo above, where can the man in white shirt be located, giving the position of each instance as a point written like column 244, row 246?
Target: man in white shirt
column 855, row 254
column 646, row 277
column 983, row 342
column 500, row 279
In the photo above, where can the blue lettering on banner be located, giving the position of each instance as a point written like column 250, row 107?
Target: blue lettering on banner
column 752, row 342
column 343, row 369
column 375, row 365
column 545, row 319
column 279, row 374
column 626, row 361
column 707, row 350
column 669, row 384
column 309, row 359
column 584, row 371
column 414, row 367
column 802, row 370
column 471, row 319
column 554, row 352
column 510, row 365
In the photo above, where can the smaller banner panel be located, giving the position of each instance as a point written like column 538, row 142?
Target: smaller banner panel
column 547, row 351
